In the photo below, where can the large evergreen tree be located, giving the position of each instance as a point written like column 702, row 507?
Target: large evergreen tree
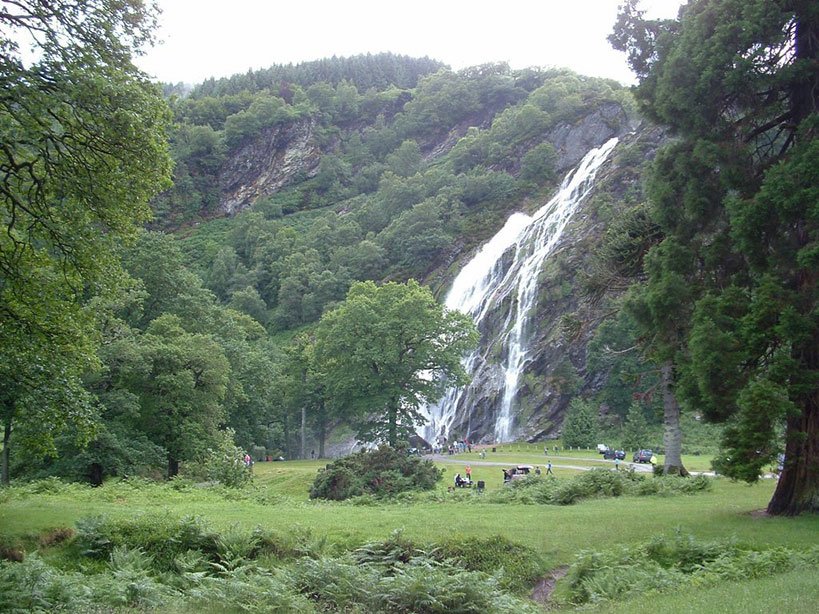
column 580, row 426
column 736, row 192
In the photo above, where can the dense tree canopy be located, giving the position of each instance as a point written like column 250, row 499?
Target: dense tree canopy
column 83, row 151
column 736, row 197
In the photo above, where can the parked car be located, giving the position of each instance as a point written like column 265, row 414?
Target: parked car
column 642, row 456
column 602, row 448
column 519, row 472
column 612, row 454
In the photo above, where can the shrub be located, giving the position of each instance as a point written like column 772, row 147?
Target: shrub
column 33, row 586
column 335, row 583
column 223, row 463
column 383, row 472
column 672, row 485
column 430, row 588
column 160, row 536
column 595, row 483
column 396, row 550
column 394, row 576
column 517, row 565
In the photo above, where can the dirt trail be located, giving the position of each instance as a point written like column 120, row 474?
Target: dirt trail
column 542, row 592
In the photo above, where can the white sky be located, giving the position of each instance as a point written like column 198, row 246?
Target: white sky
column 204, row 38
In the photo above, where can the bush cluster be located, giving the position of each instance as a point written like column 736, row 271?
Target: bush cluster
column 383, row 472
column 673, row 563
column 595, row 483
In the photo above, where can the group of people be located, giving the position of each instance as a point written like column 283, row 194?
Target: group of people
column 464, row 482
column 548, row 469
column 442, row 445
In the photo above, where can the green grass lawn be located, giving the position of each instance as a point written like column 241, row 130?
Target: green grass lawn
column 279, row 500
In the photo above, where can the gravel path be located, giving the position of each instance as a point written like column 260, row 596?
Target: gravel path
column 557, row 462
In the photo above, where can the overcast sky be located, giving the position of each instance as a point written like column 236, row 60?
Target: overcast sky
column 204, row 38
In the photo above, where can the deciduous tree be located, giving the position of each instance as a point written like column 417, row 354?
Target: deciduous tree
column 83, row 151
column 387, row 349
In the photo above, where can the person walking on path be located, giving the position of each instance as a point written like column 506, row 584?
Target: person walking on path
column 549, row 468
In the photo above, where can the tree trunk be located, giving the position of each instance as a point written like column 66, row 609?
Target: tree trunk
column 286, row 429
column 393, row 423
column 173, row 467
column 798, row 488
column 95, row 474
column 672, row 434
column 303, row 451
column 4, row 472
column 322, row 429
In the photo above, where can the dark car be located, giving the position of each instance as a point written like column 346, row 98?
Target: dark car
column 642, row 456
column 612, row 454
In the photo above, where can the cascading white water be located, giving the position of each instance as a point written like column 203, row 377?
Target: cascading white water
column 489, row 278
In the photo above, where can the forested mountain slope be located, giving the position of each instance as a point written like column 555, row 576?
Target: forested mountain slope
column 290, row 185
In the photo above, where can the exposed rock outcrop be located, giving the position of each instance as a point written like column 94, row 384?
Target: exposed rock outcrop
column 573, row 141
column 280, row 156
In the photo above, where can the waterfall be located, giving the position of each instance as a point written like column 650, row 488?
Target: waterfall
column 506, row 268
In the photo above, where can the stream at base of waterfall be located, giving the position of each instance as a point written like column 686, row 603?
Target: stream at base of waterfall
column 505, row 270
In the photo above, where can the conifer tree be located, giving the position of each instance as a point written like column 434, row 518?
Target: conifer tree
column 736, row 194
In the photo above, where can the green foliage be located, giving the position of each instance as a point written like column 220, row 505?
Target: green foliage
column 418, row 585
column 156, row 562
column 595, row 483
column 673, row 564
column 521, row 566
column 735, row 196
column 223, row 463
column 263, row 113
column 635, row 429
column 378, row 71
column 375, row 347
column 580, row 425
column 383, row 472
column 538, row 164
column 160, row 536
column 84, row 150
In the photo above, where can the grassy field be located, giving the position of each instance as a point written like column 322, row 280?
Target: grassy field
column 279, row 500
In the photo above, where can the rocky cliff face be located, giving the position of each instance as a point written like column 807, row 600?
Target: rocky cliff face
column 278, row 157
